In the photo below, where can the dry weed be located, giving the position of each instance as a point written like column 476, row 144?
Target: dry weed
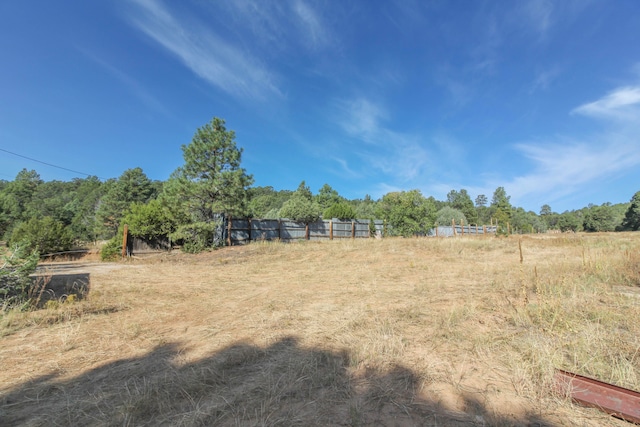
column 367, row 332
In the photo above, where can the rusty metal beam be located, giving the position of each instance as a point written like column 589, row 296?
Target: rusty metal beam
column 617, row 401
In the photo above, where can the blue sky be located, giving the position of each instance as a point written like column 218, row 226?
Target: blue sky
column 541, row 97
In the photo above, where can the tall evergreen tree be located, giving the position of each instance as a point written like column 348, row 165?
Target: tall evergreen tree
column 210, row 182
column 462, row 201
column 501, row 209
column 482, row 209
column 15, row 199
column 327, row 197
column 631, row 219
column 88, row 193
column 133, row 186
column 212, row 179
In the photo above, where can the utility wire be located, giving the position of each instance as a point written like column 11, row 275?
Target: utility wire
column 48, row 164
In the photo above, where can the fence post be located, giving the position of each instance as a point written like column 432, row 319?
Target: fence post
column 229, row 231
column 353, row 229
column 462, row 223
column 250, row 229
column 279, row 230
column 453, row 227
column 306, row 231
column 330, row 229
column 125, row 235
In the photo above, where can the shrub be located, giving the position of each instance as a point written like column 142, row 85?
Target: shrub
column 199, row 236
column 298, row 208
column 340, row 210
column 149, row 221
column 406, row 213
column 45, row 235
column 15, row 268
column 112, row 249
column 446, row 214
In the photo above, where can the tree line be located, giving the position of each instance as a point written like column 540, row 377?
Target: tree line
column 55, row 216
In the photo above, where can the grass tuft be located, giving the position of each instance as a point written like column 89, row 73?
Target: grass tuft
column 454, row 331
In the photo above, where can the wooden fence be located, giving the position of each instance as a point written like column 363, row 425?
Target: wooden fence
column 242, row 231
column 461, row 230
column 137, row 245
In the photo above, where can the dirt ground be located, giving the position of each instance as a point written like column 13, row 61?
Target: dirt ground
column 391, row 332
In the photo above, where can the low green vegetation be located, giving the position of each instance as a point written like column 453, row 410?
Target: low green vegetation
column 15, row 284
column 340, row 210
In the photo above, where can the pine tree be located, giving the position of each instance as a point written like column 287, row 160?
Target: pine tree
column 631, row 221
column 211, row 182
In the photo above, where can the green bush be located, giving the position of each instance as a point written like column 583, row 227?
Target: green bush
column 197, row 237
column 149, row 221
column 44, row 235
column 15, row 283
column 112, row 250
column 301, row 209
column 340, row 210
column 445, row 215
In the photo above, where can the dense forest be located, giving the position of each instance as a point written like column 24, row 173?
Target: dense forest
column 56, row 216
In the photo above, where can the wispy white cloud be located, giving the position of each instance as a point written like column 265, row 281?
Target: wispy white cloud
column 562, row 166
column 345, row 170
column 400, row 156
column 282, row 26
column 544, row 78
column 404, row 160
column 208, row 55
column 311, row 25
column 540, row 18
column 537, row 15
column 621, row 104
column 485, row 53
column 361, row 118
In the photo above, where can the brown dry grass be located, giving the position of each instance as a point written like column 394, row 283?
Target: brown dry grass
column 366, row 332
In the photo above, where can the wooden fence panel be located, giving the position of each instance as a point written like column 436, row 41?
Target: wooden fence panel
column 244, row 230
column 292, row 230
column 459, row 230
column 341, row 229
column 137, row 245
column 240, row 231
column 361, row 229
column 265, row 229
column 319, row 230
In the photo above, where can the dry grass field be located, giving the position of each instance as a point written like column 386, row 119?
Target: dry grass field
column 392, row 332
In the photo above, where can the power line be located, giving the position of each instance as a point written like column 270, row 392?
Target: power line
column 48, row 164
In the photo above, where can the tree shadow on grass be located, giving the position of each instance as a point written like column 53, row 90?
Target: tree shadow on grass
column 281, row 385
